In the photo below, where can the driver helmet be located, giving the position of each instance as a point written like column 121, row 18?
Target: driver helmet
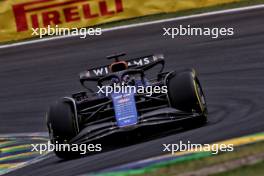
column 118, row 66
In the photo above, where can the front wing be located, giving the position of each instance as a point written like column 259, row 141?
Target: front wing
column 155, row 118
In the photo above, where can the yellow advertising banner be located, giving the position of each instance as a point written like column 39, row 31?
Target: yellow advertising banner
column 18, row 17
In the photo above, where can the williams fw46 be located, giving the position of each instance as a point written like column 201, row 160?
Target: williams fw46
column 93, row 115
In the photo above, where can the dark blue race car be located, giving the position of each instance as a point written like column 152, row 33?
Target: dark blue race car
column 165, row 99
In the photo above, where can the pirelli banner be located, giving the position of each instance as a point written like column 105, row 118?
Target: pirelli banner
column 18, row 17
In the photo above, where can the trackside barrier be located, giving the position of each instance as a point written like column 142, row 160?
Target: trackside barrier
column 18, row 17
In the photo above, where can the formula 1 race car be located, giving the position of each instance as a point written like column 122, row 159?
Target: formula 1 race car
column 84, row 117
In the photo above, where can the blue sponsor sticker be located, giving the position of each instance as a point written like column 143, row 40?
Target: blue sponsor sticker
column 125, row 109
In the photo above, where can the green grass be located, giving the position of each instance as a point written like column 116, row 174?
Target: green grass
column 253, row 170
column 192, row 165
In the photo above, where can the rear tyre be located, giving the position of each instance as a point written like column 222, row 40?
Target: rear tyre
column 186, row 94
column 62, row 127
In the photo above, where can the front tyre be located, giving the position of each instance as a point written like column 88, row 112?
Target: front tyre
column 62, row 126
column 185, row 93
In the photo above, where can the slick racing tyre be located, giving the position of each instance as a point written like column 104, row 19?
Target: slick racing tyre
column 186, row 94
column 61, row 126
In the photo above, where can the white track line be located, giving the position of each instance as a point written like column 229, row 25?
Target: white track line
column 241, row 9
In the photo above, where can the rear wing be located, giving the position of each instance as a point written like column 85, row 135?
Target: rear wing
column 143, row 63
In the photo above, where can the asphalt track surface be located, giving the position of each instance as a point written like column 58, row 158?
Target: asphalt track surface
column 231, row 70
